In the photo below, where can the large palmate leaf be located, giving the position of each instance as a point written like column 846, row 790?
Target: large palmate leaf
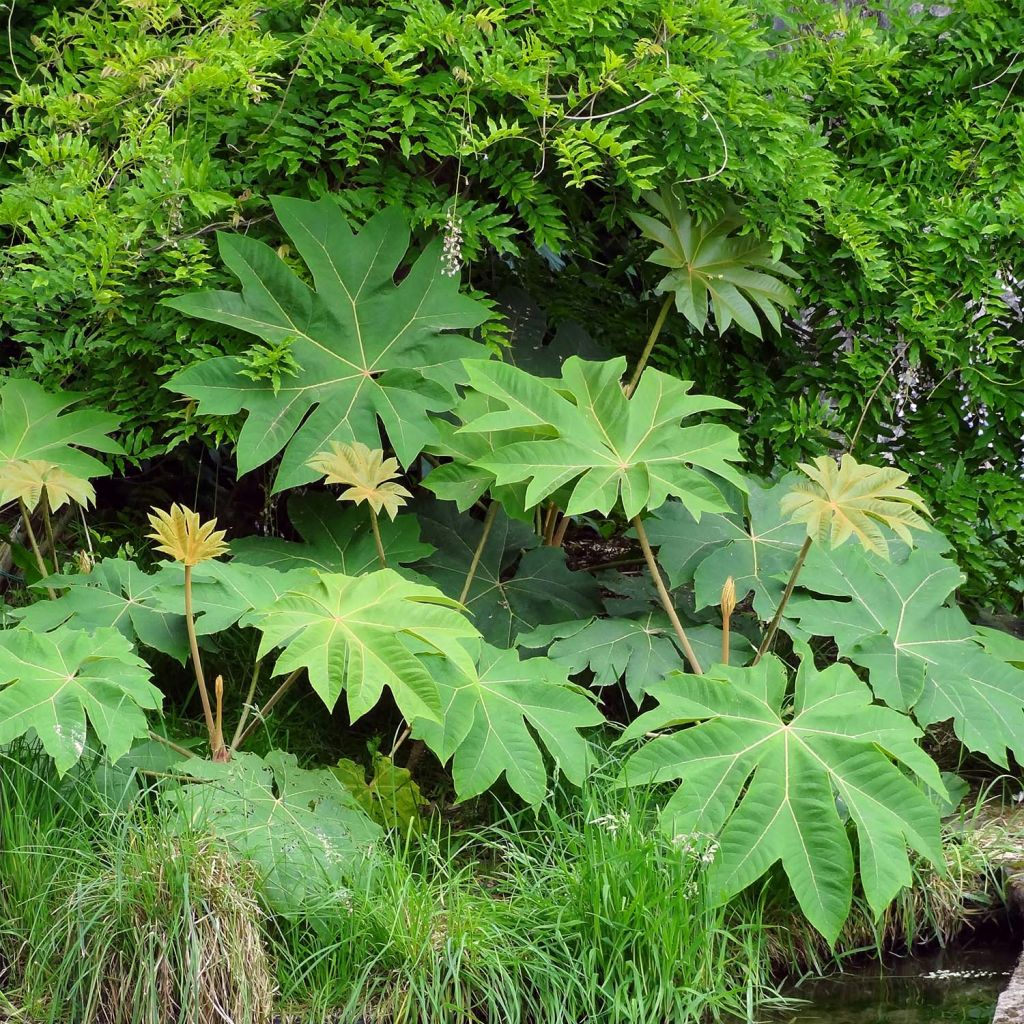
column 365, row 346
column 517, row 585
column 1002, row 645
column 614, row 449
column 55, row 683
column 758, row 553
column 302, row 829
column 37, row 426
column 223, row 592
column 115, row 593
column 709, row 265
column 362, row 633
column 764, row 782
column 640, row 651
column 464, row 480
column 334, row 539
column 498, row 722
column 896, row 620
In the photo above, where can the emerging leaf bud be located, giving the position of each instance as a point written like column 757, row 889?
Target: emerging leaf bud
column 728, row 598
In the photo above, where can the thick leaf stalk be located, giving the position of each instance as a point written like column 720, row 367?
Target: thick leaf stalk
column 659, row 323
column 666, row 599
column 44, row 502
column 197, row 663
column 375, row 526
column 773, row 626
column 26, row 518
column 492, row 512
column 268, row 707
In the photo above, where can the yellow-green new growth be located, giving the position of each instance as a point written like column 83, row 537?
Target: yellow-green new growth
column 25, row 479
column 852, row 500
column 179, row 533
column 368, row 475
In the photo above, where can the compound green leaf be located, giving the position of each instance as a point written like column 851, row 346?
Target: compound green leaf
column 223, row 592
column 517, row 585
column 302, row 829
column 612, row 449
column 498, row 722
column 764, row 781
column 640, row 651
column 335, row 538
column 60, row 682
column 366, row 347
column 389, row 796
column 362, row 633
column 464, row 480
column 684, row 542
column 1002, row 645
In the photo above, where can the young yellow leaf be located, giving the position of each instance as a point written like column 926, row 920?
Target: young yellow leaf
column 180, row 534
column 26, row 478
column 369, row 476
column 851, row 500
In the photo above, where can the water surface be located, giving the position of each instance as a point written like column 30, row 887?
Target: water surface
column 951, row 986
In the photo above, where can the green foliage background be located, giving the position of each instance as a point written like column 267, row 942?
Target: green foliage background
column 876, row 148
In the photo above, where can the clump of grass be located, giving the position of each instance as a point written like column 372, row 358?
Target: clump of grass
column 580, row 910
column 109, row 919
column 171, row 929
column 583, row 911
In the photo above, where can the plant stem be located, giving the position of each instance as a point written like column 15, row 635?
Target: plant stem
column 726, row 621
column 26, row 518
column 398, row 742
column 666, row 600
column 44, row 501
column 649, row 347
column 773, row 626
column 197, row 663
column 559, row 537
column 269, row 706
column 492, row 512
column 615, row 563
column 549, row 522
column 376, row 537
column 170, row 743
column 247, row 706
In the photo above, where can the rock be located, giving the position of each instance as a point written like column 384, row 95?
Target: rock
column 1010, row 1008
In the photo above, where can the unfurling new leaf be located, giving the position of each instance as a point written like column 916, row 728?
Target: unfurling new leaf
column 854, row 500
column 709, row 265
